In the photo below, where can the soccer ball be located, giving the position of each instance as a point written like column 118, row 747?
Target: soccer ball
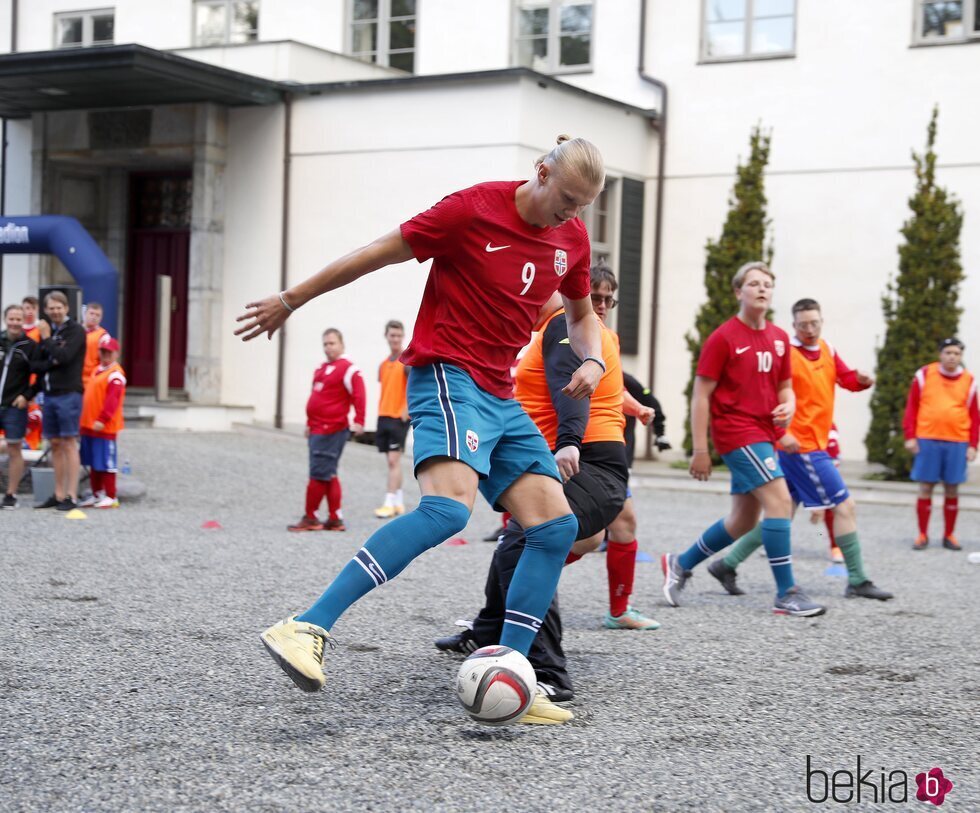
column 496, row 685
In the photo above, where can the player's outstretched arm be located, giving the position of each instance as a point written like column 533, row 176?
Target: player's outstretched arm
column 268, row 315
column 585, row 337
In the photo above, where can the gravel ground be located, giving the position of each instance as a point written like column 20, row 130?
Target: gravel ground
column 133, row 677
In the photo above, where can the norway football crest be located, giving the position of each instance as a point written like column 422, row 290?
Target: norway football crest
column 780, row 347
column 561, row 262
column 770, row 464
column 472, row 440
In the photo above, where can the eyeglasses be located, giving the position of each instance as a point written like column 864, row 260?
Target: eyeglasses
column 599, row 299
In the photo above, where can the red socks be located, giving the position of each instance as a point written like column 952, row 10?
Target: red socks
column 951, row 506
column 316, row 490
column 572, row 557
column 828, row 520
column 95, row 480
column 923, row 507
column 109, row 483
column 620, row 567
column 334, row 494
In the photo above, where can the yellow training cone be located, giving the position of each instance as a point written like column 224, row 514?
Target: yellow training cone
column 76, row 514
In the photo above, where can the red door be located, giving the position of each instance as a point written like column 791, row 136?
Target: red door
column 159, row 243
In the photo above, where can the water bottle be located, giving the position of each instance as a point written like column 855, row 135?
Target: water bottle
column 127, row 469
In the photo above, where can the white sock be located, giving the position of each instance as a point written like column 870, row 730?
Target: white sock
column 389, row 500
column 399, row 499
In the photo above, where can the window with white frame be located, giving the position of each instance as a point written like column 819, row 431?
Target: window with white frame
column 82, row 29
column 383, row 31
column 552, row 36
column 748, row 29
column 598, row 219
column 225, row 22
column 947, row 20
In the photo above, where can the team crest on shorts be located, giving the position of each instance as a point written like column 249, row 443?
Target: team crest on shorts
column 561, row 262
column 770, row 464
column 780, row 347
column 472, row 440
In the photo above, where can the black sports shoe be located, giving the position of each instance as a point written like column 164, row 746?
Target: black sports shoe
column 463, row 642
column 556, row 694
column 726, row 575
column 867, row 589
column 663, row 444
column 50, row 502
column 495, row 535
column 9, row 502
column 950, row 543
column 67, row 504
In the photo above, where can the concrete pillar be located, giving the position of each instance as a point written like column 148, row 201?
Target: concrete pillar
column 204, row 307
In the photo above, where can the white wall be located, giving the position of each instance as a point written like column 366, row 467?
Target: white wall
column 351, row 184
column 845, row 115
column 252, row 247
column 16, row 276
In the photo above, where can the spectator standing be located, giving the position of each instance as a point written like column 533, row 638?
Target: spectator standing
column 338, row 386
column 93, row 335
column 942, row 427
column 60, row 371
column 101, row 423
column 17, row 354
column 393, row 419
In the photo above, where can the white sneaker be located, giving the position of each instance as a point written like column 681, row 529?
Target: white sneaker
column 106, row 502
column 91, row 500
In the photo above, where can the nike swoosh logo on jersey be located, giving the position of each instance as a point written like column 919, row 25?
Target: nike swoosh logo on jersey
column 495, row 248
column 740, row 350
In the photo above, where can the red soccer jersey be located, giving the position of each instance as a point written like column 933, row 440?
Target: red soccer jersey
column 337, row 386
column 748, row 366
column 490, row 275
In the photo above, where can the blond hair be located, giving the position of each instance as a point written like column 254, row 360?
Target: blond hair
column 578, row 157
column 742, row 273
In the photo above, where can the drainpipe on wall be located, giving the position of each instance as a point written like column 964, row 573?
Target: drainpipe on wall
column 661, row 125
column 284, row 251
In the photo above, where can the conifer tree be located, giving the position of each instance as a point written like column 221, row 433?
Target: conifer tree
column 743, row 239
column 920, row 306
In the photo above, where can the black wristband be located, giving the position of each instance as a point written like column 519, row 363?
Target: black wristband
column 598, row 361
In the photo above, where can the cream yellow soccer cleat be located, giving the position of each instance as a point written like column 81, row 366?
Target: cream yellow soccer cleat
column 297, row 646
column 544, row 712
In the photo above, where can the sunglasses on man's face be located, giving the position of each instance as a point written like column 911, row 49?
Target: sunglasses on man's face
column 609, row 301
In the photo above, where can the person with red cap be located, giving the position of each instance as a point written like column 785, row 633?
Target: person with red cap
column 101, row 422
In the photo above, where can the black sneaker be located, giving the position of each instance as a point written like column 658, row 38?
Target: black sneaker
column 556, row 694
column 867, row 589
column 726, row 575
column 663, row 444
column 50, row 502
column 67, row 504
column 463, row 642
column 9, row 502
column 950, row 543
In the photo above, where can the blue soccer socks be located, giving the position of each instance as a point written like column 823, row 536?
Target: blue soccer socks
column 388, row 552
column 536, row 579
column 716, row 538
column 775, row 539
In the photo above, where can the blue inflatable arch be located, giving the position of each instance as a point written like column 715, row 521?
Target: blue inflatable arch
column 68, row 240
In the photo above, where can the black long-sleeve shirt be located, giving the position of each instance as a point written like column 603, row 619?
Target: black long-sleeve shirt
column 16, row 359
column 62, row 359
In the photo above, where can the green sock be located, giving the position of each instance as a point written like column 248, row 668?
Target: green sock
column 851, row 548
column 744, row 548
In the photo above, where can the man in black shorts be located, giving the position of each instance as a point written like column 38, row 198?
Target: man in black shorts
column 393, row 419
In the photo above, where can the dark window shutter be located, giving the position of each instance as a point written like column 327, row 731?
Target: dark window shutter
column 630, row 269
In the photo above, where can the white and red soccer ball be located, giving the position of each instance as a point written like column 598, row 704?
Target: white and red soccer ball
column 496, row 685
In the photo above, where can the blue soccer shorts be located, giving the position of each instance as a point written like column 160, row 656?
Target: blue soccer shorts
column 452, row 417
column 813, row 479
column 98, row 454
column 940, row 461
column 752, row 466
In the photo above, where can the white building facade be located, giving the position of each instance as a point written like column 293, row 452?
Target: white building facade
column 308, row 128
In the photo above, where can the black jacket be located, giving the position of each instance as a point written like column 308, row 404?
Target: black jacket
column 16, row 359
column 62, row 359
